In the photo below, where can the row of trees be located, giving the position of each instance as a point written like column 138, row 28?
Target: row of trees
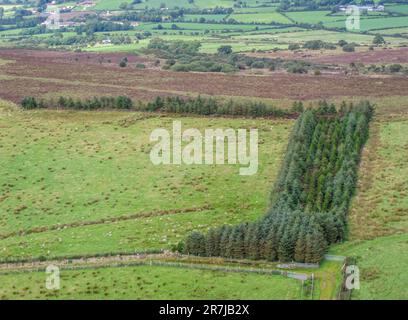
column 120, row 102
column 210, row 106
column 199, row 105
column 311, row 197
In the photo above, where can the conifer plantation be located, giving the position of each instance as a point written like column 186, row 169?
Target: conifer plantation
column 311, row 196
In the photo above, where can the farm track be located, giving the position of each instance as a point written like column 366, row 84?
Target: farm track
column 139, row 215
column 43, row 73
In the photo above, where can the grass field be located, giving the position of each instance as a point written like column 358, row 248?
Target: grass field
column 381, row 205
column 268, row 17
column 378, row 217
column 145, row 282
column 88, row 168
column 382, row 263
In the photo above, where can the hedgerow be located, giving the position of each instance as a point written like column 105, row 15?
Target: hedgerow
column 199, row 105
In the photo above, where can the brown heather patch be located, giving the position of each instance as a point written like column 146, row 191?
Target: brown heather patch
column 40, row 73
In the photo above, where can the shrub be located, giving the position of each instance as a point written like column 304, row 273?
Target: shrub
column 378, row 39
column 293, row 46
column 349, row 48
column 395, row 68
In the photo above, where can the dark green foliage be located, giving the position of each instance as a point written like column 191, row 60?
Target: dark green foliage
column 312, row 193
column 195, row 244
column 29, row 103
column 184, row 56
column 199, row 105
column 318, row 44
column 120, row 102
column 378, row 39
column 210, row 106
column 349, row 47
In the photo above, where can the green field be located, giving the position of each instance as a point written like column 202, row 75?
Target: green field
column 255, row 29
column 145, row 282
column 269, row 17
column 381, row 205
column 382, row 263
column 86, row 168
column 397, row 8
column 375, row 23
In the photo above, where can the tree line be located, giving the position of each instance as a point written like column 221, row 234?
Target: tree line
column 310, row 198
column 120, row 102
column 198, row 105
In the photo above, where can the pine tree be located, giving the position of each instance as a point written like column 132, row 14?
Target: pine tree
column 300, row 246
column 271, row 245
column 224, row 241
column 286, row 247
column 195, row 244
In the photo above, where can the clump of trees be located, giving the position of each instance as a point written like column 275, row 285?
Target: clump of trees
column 186, row 56
column 318, row 44
column 311, row 197
column 120, row 102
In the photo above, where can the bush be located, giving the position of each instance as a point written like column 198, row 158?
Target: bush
column 378, row 39
column 395, row 68
column 349, row 48
column 29, row 103
column 293, row 46
column 224, row 50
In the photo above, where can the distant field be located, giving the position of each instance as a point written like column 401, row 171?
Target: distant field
column 207, row 17
column 328, row 36
column 144, row 282
column 271, row 17
column 398, row 8
column 312, row 17
column 403, row 31
column 375, row 23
